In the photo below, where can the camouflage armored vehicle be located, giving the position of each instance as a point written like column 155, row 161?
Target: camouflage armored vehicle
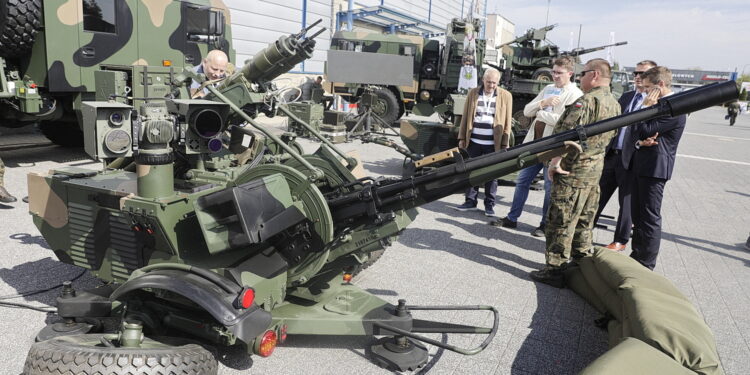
column 409, row 73
column 238, row 244
column 55, row 54
column 528, row 67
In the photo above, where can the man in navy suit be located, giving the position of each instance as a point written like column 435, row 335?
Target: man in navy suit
column 614, row 175
column 654, row 145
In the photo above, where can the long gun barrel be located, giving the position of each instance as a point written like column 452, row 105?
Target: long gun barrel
column 583, row 51
column 382, row 197
column 531, row 34
column 281, row 56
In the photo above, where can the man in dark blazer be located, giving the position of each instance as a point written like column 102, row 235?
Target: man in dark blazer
column 652, row 162
column 614, row 175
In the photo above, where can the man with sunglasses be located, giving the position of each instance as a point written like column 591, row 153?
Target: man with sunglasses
column 614, row 174
column 655, row 149
column 575, row 177
column 546, row 109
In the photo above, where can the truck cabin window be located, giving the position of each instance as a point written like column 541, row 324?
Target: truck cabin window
column 99, row 16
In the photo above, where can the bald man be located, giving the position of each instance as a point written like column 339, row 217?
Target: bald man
column 214, row 66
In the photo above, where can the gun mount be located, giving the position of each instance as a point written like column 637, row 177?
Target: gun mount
column 249, row 252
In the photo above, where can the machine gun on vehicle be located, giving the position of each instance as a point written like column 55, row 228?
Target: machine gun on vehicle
column 247, row 253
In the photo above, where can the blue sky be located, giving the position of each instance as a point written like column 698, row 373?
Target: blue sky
column 710, row 34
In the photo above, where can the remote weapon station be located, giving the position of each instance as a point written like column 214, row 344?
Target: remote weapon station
column 245, row 240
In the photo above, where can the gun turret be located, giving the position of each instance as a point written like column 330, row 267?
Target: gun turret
column 583, row 51
column 279, row 57
column 380, row 198
column 530, row 35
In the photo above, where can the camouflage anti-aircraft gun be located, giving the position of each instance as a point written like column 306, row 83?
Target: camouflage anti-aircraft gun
column 54, row 54
column 246, row 253
column 532, row 55
column 528, row 68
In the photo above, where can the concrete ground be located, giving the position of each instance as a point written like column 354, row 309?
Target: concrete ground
column 450, row 257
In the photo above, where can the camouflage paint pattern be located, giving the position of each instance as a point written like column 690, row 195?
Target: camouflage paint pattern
column 65, row 56
column 574, row 198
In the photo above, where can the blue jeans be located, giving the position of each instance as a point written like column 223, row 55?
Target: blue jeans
column 525, row 178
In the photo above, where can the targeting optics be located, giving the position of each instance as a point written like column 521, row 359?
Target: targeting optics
column 202, row 123
column 113, row 133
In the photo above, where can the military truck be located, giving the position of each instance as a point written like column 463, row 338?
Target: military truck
column 55, row 54
column 409, row 73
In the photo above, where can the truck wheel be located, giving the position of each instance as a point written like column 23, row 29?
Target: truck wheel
column 543, row 74
column 86, row 355
column 522, row 122
column 387, row 106
column 65, row 134
column 19, row 22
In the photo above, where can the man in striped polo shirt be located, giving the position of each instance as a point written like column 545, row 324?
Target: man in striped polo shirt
column 485, row 128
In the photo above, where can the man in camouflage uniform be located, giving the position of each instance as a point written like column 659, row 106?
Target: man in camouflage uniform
column 5, row 197
column 575, row 177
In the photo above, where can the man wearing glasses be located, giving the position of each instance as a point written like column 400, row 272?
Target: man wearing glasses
column 614, row 175
column 546, row 109
column 651, row 166
column 575, row 177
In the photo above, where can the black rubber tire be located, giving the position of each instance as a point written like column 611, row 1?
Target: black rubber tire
column 542, row 74
column 20, row 20
column 522, row 122
column 374, row 257
column 65, row 134
column 388, row 99
column 80, row 355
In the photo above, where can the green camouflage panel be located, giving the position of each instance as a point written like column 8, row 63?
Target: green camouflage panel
column 586, row 168
column 575, row 197
column 80, row 37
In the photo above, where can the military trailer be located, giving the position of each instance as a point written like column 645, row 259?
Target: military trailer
column 56, row 54
column 202, row 240
column 409, row 73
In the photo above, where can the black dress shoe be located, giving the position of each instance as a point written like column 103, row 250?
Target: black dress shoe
column 504, row 222
column 5, row 197
column 549, row 276
column 25, row 199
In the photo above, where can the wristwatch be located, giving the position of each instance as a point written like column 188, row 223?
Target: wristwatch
column 637, row 145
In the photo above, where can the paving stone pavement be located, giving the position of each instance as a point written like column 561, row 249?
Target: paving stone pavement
column 451, row 257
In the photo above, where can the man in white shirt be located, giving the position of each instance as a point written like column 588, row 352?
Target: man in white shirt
column 546, row 109
column 614, row 175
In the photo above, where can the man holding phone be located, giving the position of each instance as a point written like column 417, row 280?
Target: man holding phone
column 655, row 144
column 614, row 174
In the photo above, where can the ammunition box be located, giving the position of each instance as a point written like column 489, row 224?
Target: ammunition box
column 334, row 117
column 335, row 133
column 311, row 113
